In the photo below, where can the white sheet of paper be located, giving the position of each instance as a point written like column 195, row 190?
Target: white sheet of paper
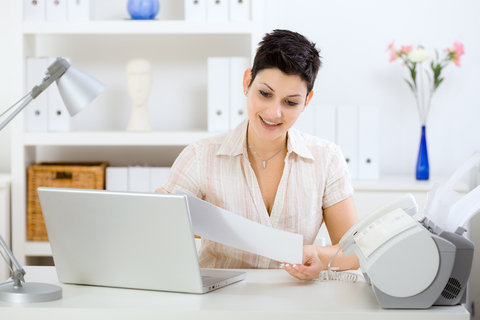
column 219, row 225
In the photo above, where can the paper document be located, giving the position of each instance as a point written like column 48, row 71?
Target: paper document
column 219, row 225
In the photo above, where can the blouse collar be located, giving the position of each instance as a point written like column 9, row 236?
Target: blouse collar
column 236, row 141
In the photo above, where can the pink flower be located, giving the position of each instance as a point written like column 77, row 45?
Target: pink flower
column 393, row 55
column 458, row 48
column 456, row 61
column 407, row 49
column 390, row 46
column 456, row 52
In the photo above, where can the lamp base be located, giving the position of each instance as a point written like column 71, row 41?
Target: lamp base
column 30, row 292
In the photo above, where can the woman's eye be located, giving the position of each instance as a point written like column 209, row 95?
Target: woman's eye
column 265, row 94
column 291, row 103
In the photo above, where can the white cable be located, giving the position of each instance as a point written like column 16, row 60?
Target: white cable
column 333, row 274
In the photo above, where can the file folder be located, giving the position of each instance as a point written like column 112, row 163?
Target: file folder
column 218, row 94
column 58, row 118
column 56, row 10
column 78, row 10
column 217, row 10
column 36, row 111
column 195, row 10
column 116, row 179
column 34, row 10
column 139, row 179
column 326, row 122
column 238, row 101
column 239, row 10
column 368, row 143
column 347, row 130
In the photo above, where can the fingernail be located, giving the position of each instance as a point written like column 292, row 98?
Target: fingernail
column 295, row 266
column 281, row 266
column 287, row 265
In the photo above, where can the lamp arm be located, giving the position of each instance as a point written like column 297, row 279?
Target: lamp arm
column 10, row 255
column 35, row 92
column 17, row 111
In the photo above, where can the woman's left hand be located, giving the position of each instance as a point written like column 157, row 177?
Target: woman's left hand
column 311, row 268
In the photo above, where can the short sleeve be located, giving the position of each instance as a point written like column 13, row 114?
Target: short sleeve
column 184, row 174
column 338, row 184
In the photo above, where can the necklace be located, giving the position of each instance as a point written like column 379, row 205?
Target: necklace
column 265, row 161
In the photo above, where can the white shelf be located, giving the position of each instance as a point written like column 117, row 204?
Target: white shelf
column 138, row 27
column 40, row 38
column 404, row 184
column 159, row 138
column 38, row 249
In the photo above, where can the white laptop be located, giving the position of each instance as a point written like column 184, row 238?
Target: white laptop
column 127, row 240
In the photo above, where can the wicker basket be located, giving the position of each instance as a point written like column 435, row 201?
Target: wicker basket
column 58, row 175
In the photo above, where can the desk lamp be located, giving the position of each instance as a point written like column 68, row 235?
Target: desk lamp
column 77, row 90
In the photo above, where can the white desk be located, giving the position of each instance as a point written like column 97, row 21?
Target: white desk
column 265, row 294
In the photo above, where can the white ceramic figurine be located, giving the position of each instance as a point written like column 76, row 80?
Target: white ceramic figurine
column 139, row 83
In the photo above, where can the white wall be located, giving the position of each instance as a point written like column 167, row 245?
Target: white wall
column 353, row 36
column 5, row 102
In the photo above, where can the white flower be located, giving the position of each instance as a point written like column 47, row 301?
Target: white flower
column 418, row 55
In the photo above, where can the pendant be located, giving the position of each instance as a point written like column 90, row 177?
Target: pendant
column 264, row 165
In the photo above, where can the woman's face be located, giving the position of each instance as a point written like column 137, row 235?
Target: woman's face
column 275, row 101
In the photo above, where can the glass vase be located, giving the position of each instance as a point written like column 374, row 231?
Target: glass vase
column 423, row 170
column 143, row 9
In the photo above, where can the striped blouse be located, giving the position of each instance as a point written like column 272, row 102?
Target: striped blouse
column 218, row 170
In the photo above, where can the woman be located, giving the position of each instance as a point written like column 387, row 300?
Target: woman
column 267, row 171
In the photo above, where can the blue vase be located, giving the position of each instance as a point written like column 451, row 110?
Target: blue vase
column 143, row 9
column 423, row 170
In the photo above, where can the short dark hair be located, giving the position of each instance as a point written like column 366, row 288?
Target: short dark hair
column 291, row 53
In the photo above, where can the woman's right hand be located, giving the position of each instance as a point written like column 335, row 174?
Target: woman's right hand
column 311, row 267
column 161, row 190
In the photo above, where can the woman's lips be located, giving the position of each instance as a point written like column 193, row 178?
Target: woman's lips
column 267, row 126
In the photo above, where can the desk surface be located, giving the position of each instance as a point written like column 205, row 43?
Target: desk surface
column 265, row 294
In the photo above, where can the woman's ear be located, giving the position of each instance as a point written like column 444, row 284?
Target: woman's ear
column 247, row 78
column 309, row 97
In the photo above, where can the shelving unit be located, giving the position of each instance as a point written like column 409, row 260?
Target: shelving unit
column 139, row 27
column 109, row 43
column 120, row 138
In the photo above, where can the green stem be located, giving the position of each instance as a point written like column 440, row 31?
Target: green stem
column 428, row 104
column 421, row 97
column 415, row 94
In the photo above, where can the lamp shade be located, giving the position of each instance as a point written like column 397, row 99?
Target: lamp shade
column 78, row 89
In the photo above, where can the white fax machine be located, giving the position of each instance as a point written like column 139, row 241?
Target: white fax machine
column 417, row 264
